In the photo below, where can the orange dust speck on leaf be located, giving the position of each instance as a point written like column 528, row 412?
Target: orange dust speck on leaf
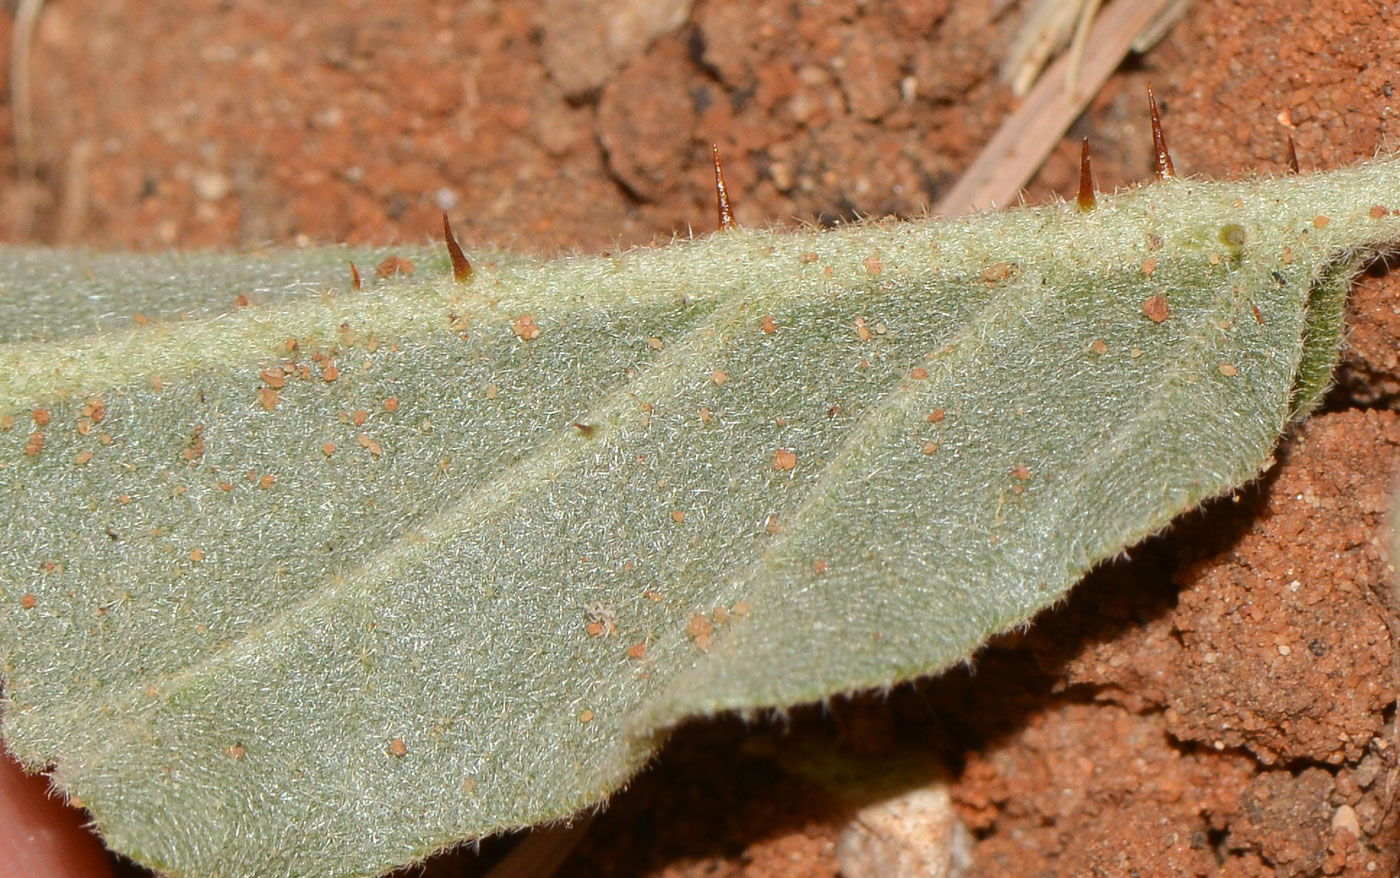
column 930, row 447
column 637, row 650
column 141, row 320
column 783, row 459
column 678, row 516
column 1149, row 265
column 330, row 373
column 525, row 327
column 83, row 458
column 359, row 417
column 1021, row 472
column 1378, row 211
column 28, row 601
column 240, row 301
column 819, row 567
column 862, row 331
column 655, row 344
column 1228, row 370
column 369, row 444
column 394, row 265
column 586, row 716
column 699, row 625
column 1099, row 347
column 700, row 630
column 461, row 268
column 873, row 265
column 741, row 609
column 274, row 377
column 267, row 398
column 769, row 326
column 35, row 444
column 595, row 628
column 810, row 258
column 42, row 417
column 328, row 449
column 705, row 415
column 225, row 486
column 355, row 277
column 719, row 377
column 936, row 415
column 84, row 426
column 1156, row 308
column 194, row 449
column 918, row 373
column 391, row 404
column 267, row 481
column 397, row 748
column 998, row 271
column 7, row 423
column 1321, row 222
column 196, row 555
column 95, row 409
column 236, row 751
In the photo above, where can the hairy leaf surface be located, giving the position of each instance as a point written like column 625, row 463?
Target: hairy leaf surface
column 320, row 584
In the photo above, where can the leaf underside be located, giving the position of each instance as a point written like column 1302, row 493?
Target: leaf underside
column 325, row 583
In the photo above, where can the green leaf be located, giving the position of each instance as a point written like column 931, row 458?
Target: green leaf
column 325, row 583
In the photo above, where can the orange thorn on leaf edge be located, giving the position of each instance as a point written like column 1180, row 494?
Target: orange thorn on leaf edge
column 1086, row 179
column 1159, row 140
column 461, row 268
column 726, row 218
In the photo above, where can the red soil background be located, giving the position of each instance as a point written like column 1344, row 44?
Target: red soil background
column 1222, row 703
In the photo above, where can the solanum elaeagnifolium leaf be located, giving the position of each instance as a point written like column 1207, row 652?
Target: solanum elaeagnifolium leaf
column 324, row 583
